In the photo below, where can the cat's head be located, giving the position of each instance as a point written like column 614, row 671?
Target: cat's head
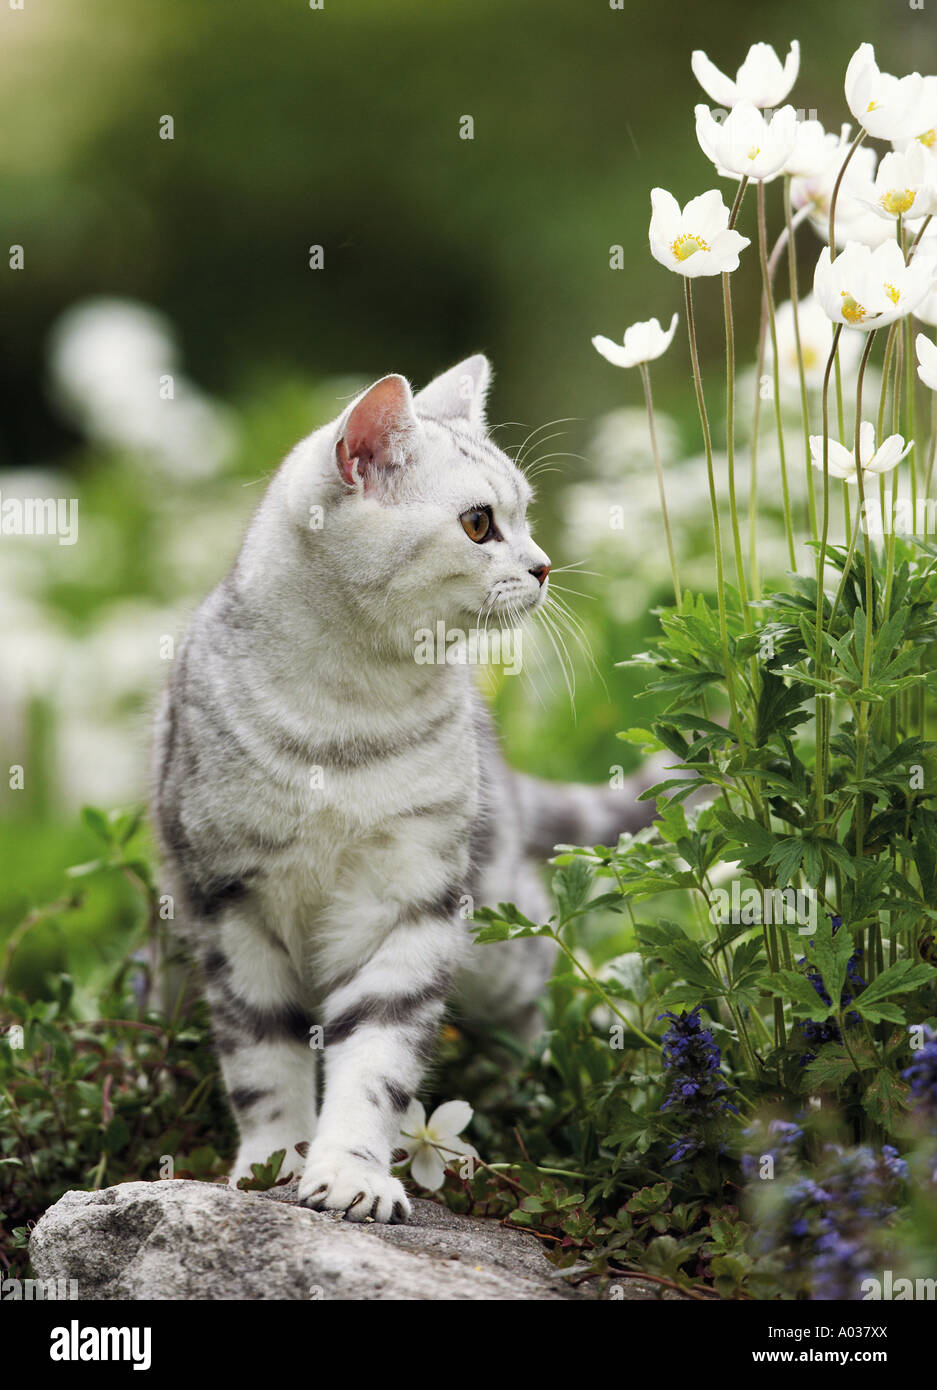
column 418, row 515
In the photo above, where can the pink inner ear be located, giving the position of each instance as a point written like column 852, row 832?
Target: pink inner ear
column 374, row 424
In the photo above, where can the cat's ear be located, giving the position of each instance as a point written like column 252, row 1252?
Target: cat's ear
column 377, row 430
column 458, row 394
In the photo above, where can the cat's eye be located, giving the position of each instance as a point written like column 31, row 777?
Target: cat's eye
column 476, row 523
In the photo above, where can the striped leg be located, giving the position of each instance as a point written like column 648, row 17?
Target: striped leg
column 262, row 1034
column 381, row 1028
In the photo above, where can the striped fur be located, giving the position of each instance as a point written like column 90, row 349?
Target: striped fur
column 330, row 810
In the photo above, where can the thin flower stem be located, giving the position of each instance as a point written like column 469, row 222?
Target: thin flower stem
column 574, row 960
column 862, row 723
column 717, row 530
column 775, row 366
column 831, row 237
column 795, row 305
column 648, row 400
column 822, row 709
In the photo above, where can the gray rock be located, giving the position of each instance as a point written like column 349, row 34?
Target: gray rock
column 197, row 1240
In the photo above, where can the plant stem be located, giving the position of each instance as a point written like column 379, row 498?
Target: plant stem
column 646, row 382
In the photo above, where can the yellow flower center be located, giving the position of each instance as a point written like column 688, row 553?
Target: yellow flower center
column 872, row 106
column 852, row 311
column 893, row 293
column 898, row 200
column 754, row 152
column 929, row 138
column 811, row 357
column 686, row 246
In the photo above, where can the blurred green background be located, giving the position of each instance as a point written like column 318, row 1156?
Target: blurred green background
column 339, row 128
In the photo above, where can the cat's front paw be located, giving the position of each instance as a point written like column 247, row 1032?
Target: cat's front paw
column 341, row 1182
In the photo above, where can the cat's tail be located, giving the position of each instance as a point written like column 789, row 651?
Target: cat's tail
column 557, row 813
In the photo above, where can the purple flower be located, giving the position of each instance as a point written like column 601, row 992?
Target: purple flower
column 922, row 1075
column 698, row 1090
column 816, row 1034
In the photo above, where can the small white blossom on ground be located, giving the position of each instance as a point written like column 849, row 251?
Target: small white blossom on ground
column 762, row 79
column 643, row 342
column 842, row 461
column 433, row 1144
column 697, row 240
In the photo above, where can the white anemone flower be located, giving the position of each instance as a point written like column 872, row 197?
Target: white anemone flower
column 816, row 340
column 905, row 185
column 866, row 289
column 841, row 461
column 745, row 145
column 926, row 311
column 855, row 220
column 643, row 342
column 432, row 1144
column 814, row 150
column 890, row 108
column 697, row 240
column 926, row 132
column 762, row 79
column 926, row 361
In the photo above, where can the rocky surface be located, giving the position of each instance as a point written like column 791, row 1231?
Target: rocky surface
column 196, row 1240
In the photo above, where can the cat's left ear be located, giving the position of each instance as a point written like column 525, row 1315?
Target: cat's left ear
column 458, row 394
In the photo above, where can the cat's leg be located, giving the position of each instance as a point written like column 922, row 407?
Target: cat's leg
column 381, row 1025
column 262, row 1034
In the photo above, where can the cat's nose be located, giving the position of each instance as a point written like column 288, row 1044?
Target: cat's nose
column 540, row 572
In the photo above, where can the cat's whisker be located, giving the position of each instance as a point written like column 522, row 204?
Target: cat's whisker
column 562, row 651
column 528, row 442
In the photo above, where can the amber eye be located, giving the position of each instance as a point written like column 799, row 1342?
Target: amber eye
column 476, row 523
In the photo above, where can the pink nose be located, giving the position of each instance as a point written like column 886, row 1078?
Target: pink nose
column 540, row 573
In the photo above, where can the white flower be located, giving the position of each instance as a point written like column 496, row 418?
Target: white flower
column 814, row 150
column 816, row 339
column 890, row 108
column 927, row 361
column 905, row 185
column 433, row 1144
column 926, row 131
column 696, row 241
column 926, row 311
column 643, row 342
column 841, row 461
column 869, row 289
column 855, row 220
column 745, row 144
column 762, row 79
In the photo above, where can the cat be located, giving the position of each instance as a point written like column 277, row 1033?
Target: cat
column 329, row 809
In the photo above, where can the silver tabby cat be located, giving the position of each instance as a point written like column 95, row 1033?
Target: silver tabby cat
column 328, row 806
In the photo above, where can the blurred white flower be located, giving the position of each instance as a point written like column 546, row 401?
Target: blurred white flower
column 697, row 240
column 643, row 342
column 842, row 461
column 745, row 145
column 866, row 289
column 855, row 220
column 890, row 108
column 433, row 1144
column 927, row 361
column 816, row 339
column 114, row 372
column 926, row 133
column 814, row 150
column 905, row 185
column 926, row 311
column 762, row 79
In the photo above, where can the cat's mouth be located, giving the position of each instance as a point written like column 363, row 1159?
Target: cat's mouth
column 514, row 599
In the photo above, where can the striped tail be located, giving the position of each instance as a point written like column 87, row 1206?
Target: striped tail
column 557, row 813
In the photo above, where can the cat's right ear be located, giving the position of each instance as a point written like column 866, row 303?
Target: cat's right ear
column 377, row 431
